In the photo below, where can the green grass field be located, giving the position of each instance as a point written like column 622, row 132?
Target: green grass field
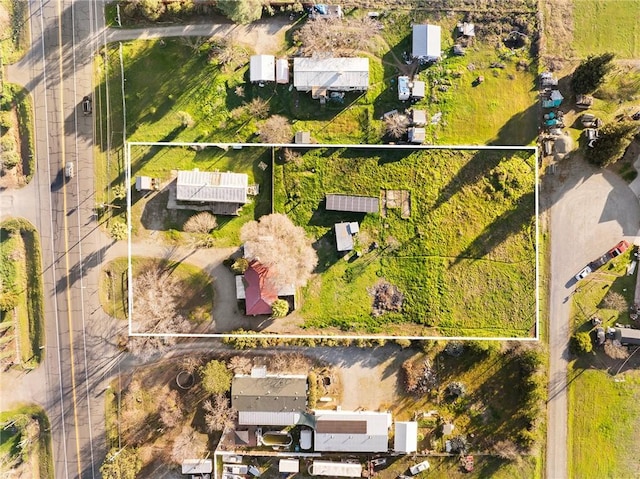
column 610, row 26
column 604, row 415
column 29, row 424
column 197, row 299
column 463, row 259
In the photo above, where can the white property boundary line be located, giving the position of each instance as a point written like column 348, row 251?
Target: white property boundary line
column 227, row 146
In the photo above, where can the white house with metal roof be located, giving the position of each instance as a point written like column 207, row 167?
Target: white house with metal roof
column 427, row 42
column 212, row 187
column 351, row 431
column 262, row 68
column 322, row 75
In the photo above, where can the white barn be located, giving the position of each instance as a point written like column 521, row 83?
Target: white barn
column 321, row 75
column 405, row 440
column 262, row 68
column 427, row 44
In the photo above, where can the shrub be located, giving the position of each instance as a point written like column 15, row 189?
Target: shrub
column 5, row 121
column 118, row 231
column 403, row 343
column 279, row 308
column 10, row 159
column 216, row 377
column 202, row 222
column 240, row 265
column 580, row 343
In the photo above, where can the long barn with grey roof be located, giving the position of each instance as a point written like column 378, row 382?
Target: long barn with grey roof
column 354, row 204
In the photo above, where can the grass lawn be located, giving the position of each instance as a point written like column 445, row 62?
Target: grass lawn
column 611, row 26
column 29, row 424
column 196, row 285
column 589, row 300
column 604, row 416
column 464, row 259
column 22, row 278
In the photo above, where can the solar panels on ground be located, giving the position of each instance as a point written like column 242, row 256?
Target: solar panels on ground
column 355, row 204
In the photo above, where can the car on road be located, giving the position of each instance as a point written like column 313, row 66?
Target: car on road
column 87, row 107
column 618, row 249
column 584, row 272
column 420, row 467
column 69, row 171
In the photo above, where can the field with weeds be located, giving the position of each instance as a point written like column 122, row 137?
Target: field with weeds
column 463, row 257
column 195, row 285
column 601, row 27
column 25, row 443
column 14, row 25
column 604, row 411
column 22, row 291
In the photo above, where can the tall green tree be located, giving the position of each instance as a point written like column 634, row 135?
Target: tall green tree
column 590, row 73
column 241, row 11
column 216, row 377
column 613, row 142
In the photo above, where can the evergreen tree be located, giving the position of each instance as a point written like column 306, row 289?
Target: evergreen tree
column 612, row 143
column 590, row 73
column 241, row 11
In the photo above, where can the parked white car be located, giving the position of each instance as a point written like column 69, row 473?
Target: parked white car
column 584, row 272
column 418, row 468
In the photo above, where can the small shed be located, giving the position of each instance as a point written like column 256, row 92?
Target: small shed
column 262, row 68
column 406, row 437
column 302, row 137
column 289, row 466
column 417, row 90
column 418, row 117
column 282, row 70
column 417, row 134
column 466, row 29
column 197, row 466
column 403, row 88
column 144, row 183
column 344, row 235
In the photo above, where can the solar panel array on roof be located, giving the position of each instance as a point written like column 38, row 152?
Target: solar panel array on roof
column 355, row 204
column 342, row 427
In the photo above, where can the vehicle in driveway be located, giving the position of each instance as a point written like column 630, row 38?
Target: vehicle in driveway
column 380, row 461
column 420, row 467
column 618, row 249
column 599, row 263
column 239, row 469
column 584, row 272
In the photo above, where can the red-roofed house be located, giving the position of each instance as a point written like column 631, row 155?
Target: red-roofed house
column 258, row 290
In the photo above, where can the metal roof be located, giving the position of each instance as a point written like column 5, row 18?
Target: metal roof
column 269, row 394
column 355, row 204
column 406, row 437
column 262, row 68
column 344, row 237
column 344, row 431
column 282, row 70
column 427, row 42
column 332, row 468
column 268, row 418
column 331, row 73
column 209, row 186
column 197, row 466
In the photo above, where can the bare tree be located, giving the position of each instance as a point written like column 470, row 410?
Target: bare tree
column 240, row 364
column 506, row 450
column 282, row 247
column 218, row 413
column 202, row 222
column 187, row 444
column 228, row 53
column 615, row 301
column 396, row 125
column 257, row 108
column 171, row 412
column 615, row 350
column 292, row 156
column 156, row 294
column 276, row 129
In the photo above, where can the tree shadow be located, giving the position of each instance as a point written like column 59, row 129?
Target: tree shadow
column 501, row 229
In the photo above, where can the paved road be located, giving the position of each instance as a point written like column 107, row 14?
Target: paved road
column 590, row 212
column 57, row 70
